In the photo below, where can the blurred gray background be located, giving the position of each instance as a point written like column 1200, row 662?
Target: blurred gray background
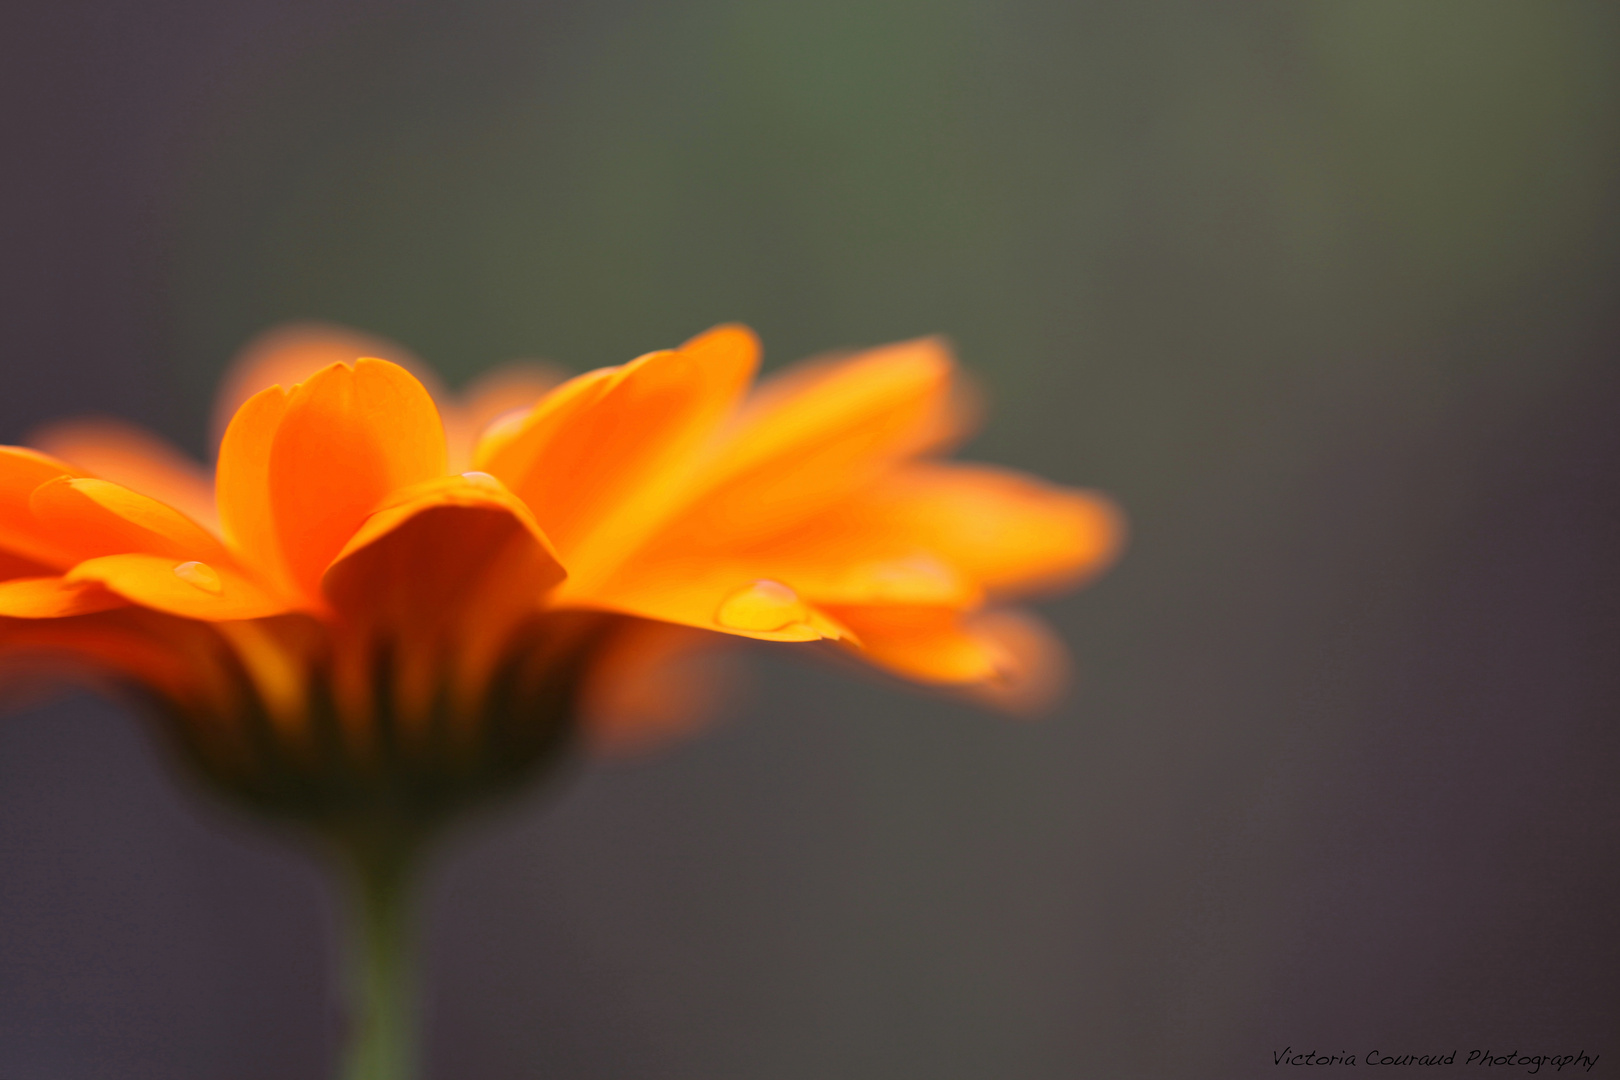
column 1323, row 293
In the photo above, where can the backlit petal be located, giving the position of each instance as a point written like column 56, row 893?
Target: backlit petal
column 933, row 535
column 15, row 566
column 914, row 578
column 287, row 355
column 53, row 598
column 712, row 596
column 514, row 447
column 1000, row 529
column 445, row 569
column 168, row 655
column 21, row 534
column 242, row 484
column 495, row 394
column 929, row 644
column 1034, row 664
column 191, row 589
column 96, row 517
column 653, row 682
column 437, row 546
column 811, row 436
column 1004, row 529
column 137, row 459
column 605, row 458
column 880, row 574
column 300, row 471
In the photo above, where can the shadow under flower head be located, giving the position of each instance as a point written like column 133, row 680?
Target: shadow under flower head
column 366, row 614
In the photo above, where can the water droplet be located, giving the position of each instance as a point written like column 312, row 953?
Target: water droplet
column 762, row 606
column 482, row 479
column 201, row 575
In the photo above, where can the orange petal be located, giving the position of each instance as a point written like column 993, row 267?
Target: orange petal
column 15, row 566
column 96, row 517
column 137, row 459
column 437, row 546
column 711, row 596
column 350, row 437
column 652, row 682
column 167, row 655
column 907, row 391
column 928, row 644
column 53, row 598
column 497, row 393
column 1004, row 529
column 192, row 589
column 21, row 534
column 810, row 437
column 300, row 472
column 915, row 578
column 281, row 657
column 881, row 574
column 289, row 354
column 444, row 570
column 516, row 385
column 924, row 535
column 996, row 528
column 604, row 458
column 242, row 484
column 514, row 445
column 1035, row 665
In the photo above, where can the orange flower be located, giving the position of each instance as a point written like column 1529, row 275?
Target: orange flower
column 364, row 616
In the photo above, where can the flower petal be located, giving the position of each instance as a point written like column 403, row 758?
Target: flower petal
column 21, row 534
column 1035, row 665
column 97, row 517
column 53, row 598
column 514, row 446
column 811, row 436
column 929, row 644
column 996, row 528
column 191, row 589
column 1006, row 530
column 605, row 457
column 15, row 566
column 652, row 682
column 288, row 354
column 439, row 576
column 709, row 595
column 923, row 536
column 301, row 470
column 501, row 392
column 137, row 459
column 170, row 656
column 242, row 483
column 881, row 574
column 438, row 546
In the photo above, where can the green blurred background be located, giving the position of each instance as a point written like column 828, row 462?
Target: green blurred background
column 1322, row 293
column 1115, row 212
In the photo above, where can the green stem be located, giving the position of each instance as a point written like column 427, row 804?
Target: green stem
column 382, row 1021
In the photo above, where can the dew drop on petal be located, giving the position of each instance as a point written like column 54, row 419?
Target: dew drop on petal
column 763, row 606
column 482, row 479
column 201, row 575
